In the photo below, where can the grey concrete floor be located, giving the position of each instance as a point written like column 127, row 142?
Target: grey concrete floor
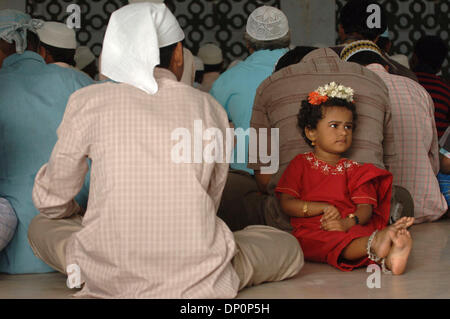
column 427, row 276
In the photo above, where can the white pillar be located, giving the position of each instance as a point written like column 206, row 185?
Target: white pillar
column 311, row 21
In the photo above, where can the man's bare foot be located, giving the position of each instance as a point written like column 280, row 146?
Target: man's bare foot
column 398, row 256
column 404, row 222
column 382, row 242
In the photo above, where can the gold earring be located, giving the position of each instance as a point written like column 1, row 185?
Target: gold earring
column 313, row 144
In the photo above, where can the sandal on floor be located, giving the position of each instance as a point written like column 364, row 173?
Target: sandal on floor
column 402, row 204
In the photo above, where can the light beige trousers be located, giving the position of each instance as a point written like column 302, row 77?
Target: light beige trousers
column 263, row 254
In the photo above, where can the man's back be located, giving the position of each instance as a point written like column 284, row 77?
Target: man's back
column 235, row 90
column 151, row 229
column 33, row 100
column 278, row 101
column 417, row 144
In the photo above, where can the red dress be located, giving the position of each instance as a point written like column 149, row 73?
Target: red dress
column 344, row 186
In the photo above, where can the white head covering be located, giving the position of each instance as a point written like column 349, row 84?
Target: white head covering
column 133, row 37
column 267, row 23
column 14, row 26
column 83, row 57
column 58, row 35
column 210, row 54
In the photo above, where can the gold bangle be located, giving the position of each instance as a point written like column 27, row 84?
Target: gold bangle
column 305, row 209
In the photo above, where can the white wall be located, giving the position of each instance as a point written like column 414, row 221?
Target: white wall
column 311, row 21
column 12, row 4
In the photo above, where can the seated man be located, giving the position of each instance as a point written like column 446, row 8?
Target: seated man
column 33, row 97
column 151, row 229
column 277, row 103
column 267, row 37
column 415, row 133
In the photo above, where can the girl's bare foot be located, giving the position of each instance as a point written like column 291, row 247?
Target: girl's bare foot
column 401, row 248
column 404, row 222
column 382, row 242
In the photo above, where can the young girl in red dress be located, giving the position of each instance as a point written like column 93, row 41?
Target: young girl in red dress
column 340, row 208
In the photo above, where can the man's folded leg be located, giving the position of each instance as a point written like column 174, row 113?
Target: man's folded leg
column 266, row 254
column 48, row 238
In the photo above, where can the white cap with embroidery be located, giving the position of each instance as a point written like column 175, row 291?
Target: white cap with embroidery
column 267, row 23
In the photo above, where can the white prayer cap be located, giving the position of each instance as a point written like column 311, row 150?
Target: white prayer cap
column 133, row 37
column 267, row 23
column 210, row 54
column 83, row 57
column 58, row 35
column 199, row 65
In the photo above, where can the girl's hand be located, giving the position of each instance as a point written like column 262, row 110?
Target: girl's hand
column 330, row 213
column 336, row 225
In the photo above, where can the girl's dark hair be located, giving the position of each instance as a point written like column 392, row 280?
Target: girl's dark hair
column 310, row 115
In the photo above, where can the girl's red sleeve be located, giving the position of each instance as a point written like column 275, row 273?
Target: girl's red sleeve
column 291, row 180
column 365, row 194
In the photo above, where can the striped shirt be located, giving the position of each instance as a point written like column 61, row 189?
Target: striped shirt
column 150, row 229
column 440, row 93
column 417, row 144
